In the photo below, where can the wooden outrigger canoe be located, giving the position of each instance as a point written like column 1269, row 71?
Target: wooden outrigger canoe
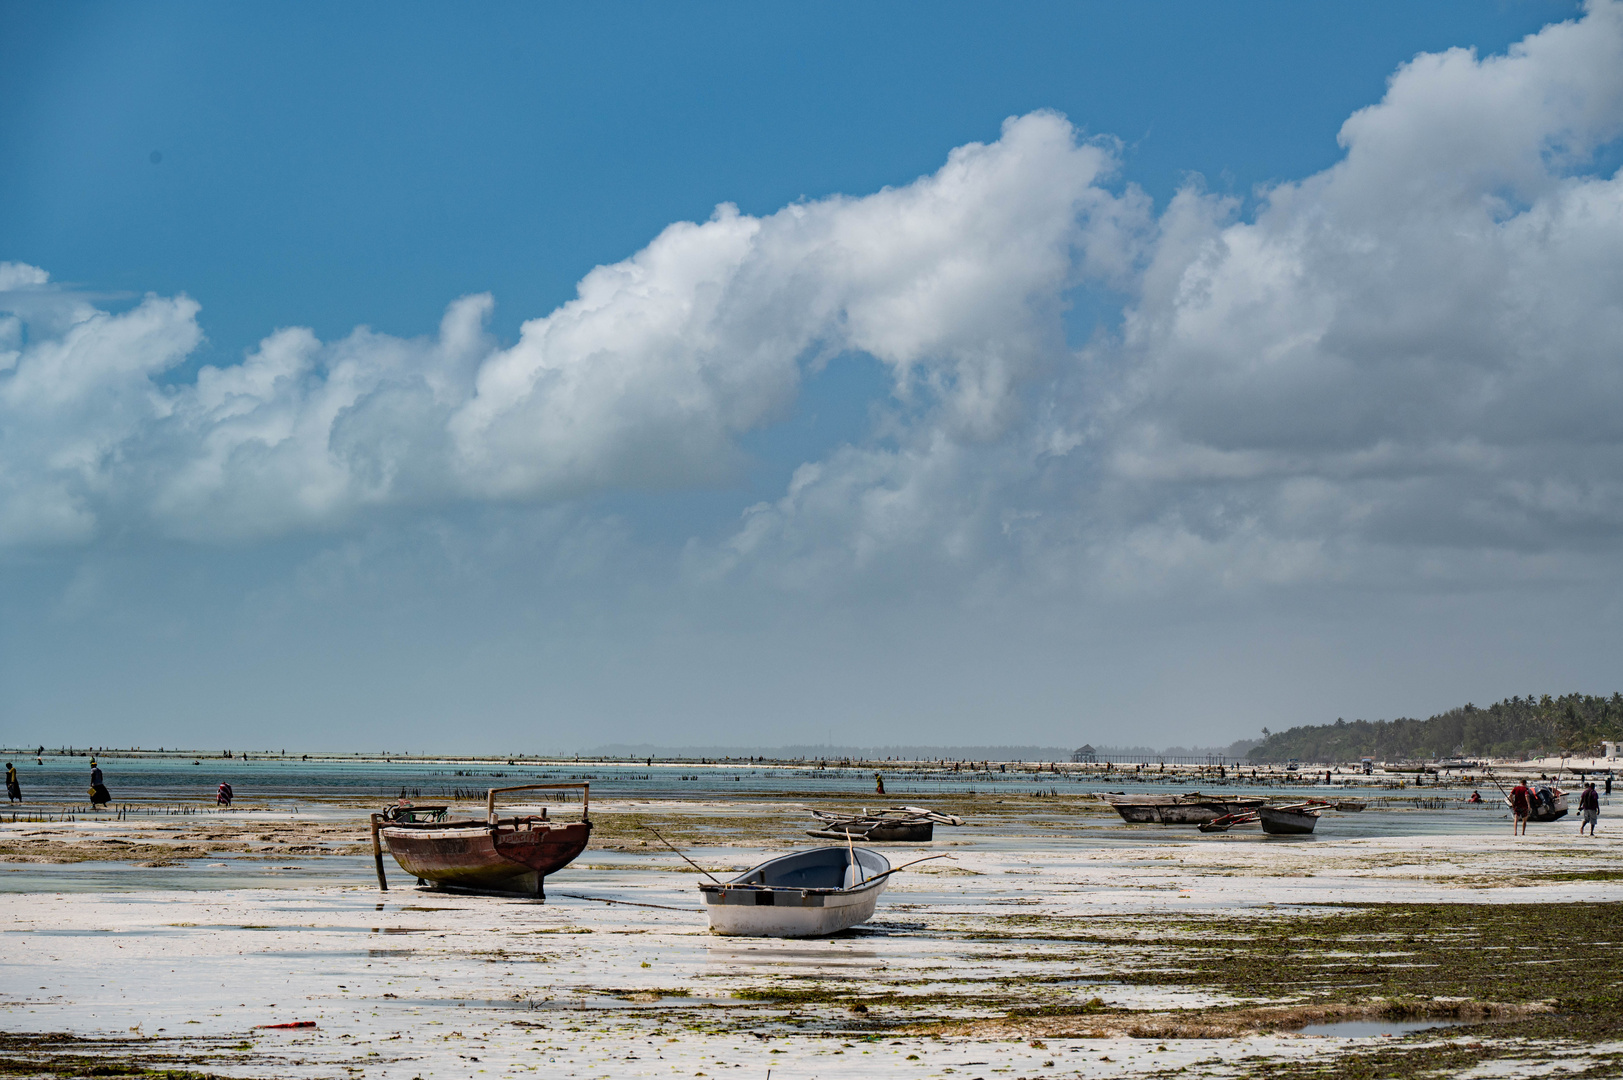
column 1190, row 809
column 1229, row 821
column 1294, row 820
column 899, row 824
column 509, row 855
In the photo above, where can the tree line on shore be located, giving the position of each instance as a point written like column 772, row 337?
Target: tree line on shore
column 1516, row 727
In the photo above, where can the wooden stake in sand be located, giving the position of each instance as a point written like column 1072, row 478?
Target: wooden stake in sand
column 377, row 854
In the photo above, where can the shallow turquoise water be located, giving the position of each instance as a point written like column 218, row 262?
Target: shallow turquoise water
column 145, row 780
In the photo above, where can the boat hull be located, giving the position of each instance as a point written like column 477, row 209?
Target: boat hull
column 472, row 855
column 798, row 896
column 882, row 833
column 1191, row 813
column 1137, row 813
column 1178, row 809
column 784, row 913
column 1552, row 809
column 1286, row 822
column 1546, row 812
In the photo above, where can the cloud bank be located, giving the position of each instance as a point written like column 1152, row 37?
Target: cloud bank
column 645, row 381
column 1407, row 366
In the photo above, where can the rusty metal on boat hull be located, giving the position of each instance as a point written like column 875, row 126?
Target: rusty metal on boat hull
column 498, row 854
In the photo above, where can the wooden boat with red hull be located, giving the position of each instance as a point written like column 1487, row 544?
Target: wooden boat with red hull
column 511, row 855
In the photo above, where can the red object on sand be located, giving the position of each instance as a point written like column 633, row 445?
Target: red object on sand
column 295, row 1024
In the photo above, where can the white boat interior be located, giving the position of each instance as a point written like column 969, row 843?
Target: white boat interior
column 804, row 894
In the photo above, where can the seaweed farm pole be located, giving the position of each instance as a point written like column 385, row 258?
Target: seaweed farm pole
column 377, row 856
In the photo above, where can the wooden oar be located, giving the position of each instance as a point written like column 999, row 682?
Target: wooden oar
column 904, row 866
column 684, row 858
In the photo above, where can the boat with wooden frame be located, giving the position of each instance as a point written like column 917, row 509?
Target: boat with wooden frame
column 1192, row 808
column 899, row 824
column 507, row 855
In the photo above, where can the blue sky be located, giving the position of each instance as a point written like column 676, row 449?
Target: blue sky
column 329, row 166
column 1063, row 510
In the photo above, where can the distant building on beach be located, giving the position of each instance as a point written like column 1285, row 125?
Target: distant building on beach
column 1087, row 753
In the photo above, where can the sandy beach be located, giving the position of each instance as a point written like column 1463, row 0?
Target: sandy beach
column 1056, row 941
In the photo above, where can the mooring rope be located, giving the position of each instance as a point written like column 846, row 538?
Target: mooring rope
column 632, row 903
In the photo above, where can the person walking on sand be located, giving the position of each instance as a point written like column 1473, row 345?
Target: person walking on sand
column 1521, row 807
column 1588, row 809
column 14, row 790
column 98, row 790
column 879, row 783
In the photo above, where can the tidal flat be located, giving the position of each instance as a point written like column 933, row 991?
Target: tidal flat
column 1056, row 941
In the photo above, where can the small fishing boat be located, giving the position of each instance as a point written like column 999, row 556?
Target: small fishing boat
column 508, row 855
column 1288, row 820
column 1549, row 804
column 1192, row 808
column 899, row 824
column 806, row 894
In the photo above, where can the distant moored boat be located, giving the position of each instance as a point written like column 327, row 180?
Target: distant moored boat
column 1287, row 820
column 1192, row 808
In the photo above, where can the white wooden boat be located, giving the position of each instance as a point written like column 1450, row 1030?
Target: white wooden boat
column 1549, row 803
column 806, row 894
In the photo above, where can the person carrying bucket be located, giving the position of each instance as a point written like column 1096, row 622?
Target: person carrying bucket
column 98, row 789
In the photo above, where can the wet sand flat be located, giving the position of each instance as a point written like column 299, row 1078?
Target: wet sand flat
column 1056, row 942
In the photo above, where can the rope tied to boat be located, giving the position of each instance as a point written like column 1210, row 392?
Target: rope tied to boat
column 684, row 858
column 631, row 903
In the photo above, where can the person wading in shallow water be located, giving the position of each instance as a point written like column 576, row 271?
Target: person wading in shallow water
column 879, row 783
column 1521, row 807
column 98, row 790
column 223, row 796
column 1588, row 809
column 14, row 790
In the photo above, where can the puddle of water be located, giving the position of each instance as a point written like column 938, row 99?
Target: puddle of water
column 115, row 877
column 1374, row 1029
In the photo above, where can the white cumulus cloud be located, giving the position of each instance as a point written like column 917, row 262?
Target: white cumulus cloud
column 646, row 380
column 1409, row 365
